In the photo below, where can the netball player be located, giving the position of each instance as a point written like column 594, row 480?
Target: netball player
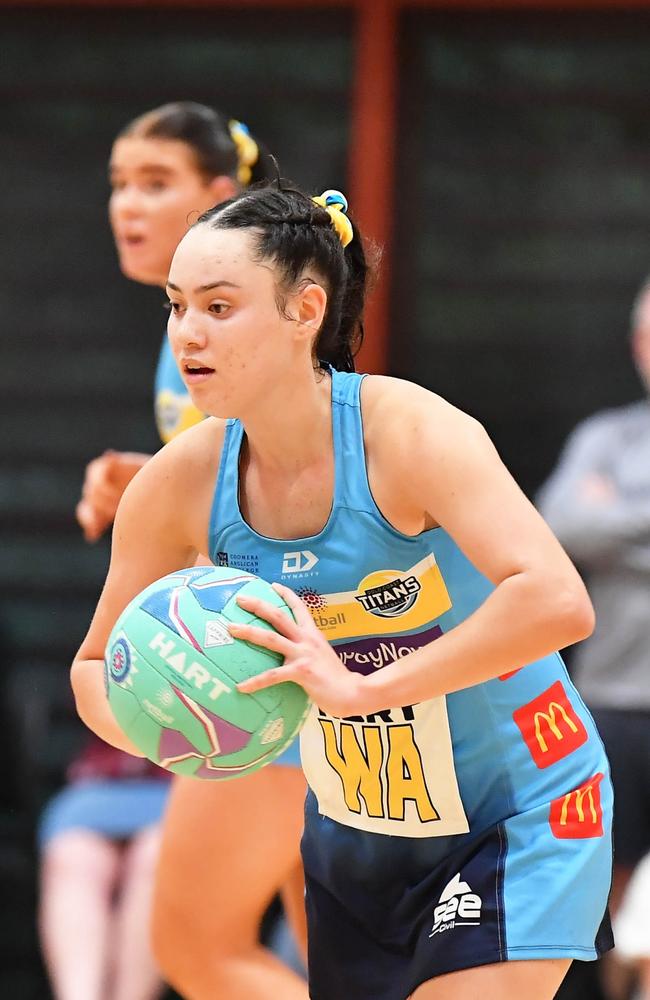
column 167, row 167
column 457, row 828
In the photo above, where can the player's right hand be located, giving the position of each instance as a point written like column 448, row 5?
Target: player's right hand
column 105, row 480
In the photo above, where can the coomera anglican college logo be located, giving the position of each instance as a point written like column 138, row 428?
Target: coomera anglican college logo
column 246, row 561
column 387, row 594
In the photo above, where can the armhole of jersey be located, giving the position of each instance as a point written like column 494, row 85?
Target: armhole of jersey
column 372, row 507
column 221, row 500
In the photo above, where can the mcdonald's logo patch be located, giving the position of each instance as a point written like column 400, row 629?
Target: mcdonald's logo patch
column 550, row 726
column 579, row 813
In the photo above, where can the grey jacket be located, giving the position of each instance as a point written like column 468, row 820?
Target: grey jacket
column 597, row 502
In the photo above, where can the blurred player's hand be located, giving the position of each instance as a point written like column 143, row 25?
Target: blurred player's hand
column 105, row 481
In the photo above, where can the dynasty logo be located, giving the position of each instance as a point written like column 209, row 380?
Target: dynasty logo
column 386, row 594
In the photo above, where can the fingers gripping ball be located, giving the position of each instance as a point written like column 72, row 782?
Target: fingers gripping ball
column 171, row 668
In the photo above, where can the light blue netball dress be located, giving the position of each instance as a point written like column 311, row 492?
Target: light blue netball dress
column 173, row 406
column 464, row 830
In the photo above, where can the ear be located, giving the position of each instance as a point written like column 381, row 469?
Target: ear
column 309, row 309
column 222, row 188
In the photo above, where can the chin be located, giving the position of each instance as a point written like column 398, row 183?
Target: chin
column 215, row 408
column 139, row 272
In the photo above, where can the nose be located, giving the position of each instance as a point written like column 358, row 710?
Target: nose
column 126, row 202
column 187, row 333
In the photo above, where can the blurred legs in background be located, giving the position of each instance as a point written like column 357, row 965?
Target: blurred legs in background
column 94, row 916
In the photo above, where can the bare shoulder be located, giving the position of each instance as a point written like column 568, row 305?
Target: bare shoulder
column 196, row 451
column 405, row 417
column 174, row 489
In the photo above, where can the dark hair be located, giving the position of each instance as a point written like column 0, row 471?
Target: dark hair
column 294, row 232
column 210, row 135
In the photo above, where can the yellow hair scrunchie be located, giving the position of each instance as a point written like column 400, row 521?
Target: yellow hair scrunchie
column 248, row 152
column 336, row 205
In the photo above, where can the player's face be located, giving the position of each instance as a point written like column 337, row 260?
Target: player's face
column 230, row 341
column 641, row 341
column 157, row 192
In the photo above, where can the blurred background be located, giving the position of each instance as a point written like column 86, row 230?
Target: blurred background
column 500, row 152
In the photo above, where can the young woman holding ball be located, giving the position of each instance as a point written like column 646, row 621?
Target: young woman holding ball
column 458, row 816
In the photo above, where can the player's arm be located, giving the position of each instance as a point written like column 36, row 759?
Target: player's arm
column 446, row 466
column 161, row 526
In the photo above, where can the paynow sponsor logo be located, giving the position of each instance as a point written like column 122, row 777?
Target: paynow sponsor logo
column 364, row 656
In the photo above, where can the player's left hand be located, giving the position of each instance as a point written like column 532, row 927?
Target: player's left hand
column 309, row 660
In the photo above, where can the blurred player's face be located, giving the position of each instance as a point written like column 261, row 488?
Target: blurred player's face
column 232, row 345
column 157, row 192
column 641, row 340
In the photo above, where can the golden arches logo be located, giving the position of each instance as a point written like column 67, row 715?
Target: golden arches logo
column 580, row 794
column 579, row 813
column 550, row 718
column 550, row 726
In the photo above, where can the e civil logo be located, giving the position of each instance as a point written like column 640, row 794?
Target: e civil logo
column 458, row 906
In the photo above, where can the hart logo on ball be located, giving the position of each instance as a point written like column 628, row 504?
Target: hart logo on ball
column 194, row 672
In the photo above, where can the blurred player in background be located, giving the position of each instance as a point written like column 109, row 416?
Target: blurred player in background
column 166, row 168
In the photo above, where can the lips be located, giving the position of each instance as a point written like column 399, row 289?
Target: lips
column 194, row 372
column 194, row 368
column 131, row 240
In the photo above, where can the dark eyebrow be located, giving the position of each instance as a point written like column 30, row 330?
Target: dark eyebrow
column 145, row 168
column 206, row 288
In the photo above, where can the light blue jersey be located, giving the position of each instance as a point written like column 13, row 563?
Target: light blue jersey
column 173, row 406
column 511, row 773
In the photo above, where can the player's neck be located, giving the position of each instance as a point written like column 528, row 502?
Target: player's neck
column 293, row 429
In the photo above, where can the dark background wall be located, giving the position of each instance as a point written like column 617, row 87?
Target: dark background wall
column 522, row 229
column 523, row 217
column 79, row 342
